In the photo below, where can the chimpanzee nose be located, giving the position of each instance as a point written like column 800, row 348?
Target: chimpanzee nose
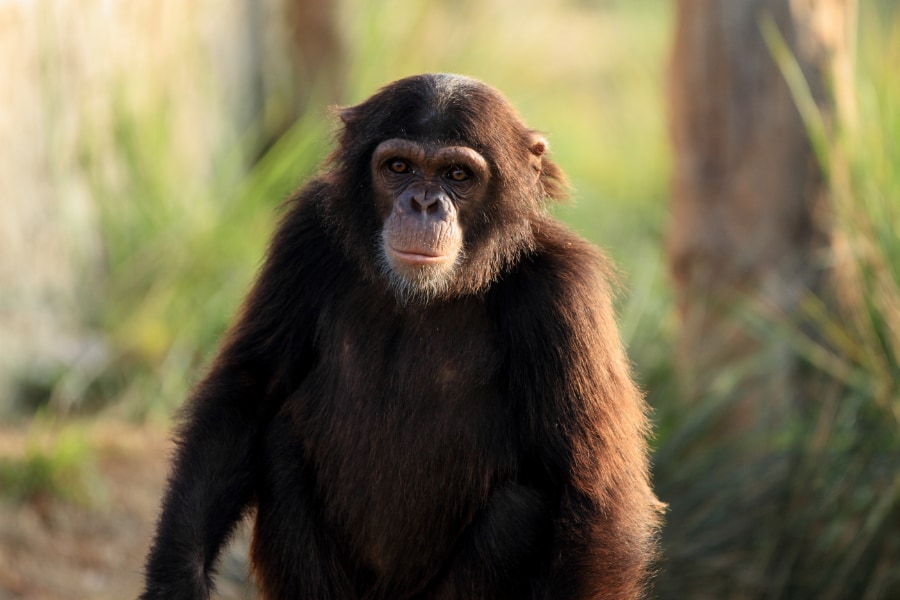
column 425, row 202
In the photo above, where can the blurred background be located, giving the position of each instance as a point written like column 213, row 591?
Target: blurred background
column 739, row 160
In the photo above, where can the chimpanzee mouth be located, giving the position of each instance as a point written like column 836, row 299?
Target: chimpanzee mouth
column 418, row 258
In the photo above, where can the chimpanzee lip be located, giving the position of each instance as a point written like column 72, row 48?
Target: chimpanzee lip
column 424, row 257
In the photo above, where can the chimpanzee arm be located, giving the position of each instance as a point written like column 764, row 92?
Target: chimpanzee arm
column 586, row 422
column 212, row 480
column 210, row 486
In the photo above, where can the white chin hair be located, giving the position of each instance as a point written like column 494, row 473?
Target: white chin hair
column 417, row 284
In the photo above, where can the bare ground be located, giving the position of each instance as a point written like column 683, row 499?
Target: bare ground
column 52, row 549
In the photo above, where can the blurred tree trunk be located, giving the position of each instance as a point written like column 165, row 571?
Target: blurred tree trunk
column 318, row 50
column 749, row 224
column 298, row 60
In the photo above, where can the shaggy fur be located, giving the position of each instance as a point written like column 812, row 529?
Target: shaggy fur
column 471, row 435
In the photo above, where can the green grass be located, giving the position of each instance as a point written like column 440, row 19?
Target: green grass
column 179, row 259
column 57, row 464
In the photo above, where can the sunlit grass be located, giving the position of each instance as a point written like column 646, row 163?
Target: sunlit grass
column 55, row 462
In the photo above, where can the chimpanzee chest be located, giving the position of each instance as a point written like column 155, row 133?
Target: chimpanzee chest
column 406, row 430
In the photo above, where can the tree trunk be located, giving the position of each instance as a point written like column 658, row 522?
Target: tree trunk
column 318, row 49
column 749, row 201
column 297, row 61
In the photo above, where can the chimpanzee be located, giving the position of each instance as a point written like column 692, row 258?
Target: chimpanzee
column 424, row 394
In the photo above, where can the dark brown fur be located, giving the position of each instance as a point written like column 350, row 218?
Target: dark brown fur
column 485, row 443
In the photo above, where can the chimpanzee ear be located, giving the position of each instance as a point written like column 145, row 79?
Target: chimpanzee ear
column 537, row 146
column 348, row 115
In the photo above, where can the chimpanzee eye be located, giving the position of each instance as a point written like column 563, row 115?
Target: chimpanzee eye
column 399, row 166
column 458, row 174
